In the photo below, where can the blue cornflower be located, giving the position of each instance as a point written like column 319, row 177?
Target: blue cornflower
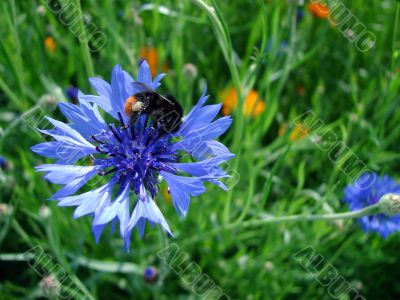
column 4, row 164
column 134, row 158
column 299, row 14
column 150, row 274
column 367, row 190
column 72, row 94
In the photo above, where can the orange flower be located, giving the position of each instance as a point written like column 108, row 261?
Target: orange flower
column 318, row 9
column 150, row 54
column 50, row 44
column 253, row 105
column 298, row 132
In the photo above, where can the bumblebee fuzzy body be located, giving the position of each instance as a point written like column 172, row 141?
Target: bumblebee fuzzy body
column 166, row 110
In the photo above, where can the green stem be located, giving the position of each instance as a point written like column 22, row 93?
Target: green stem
column 369, row 210
column 18, row 63
column 226, row 46
column 94, row 264
column 396, row 25
column 224, row 41
column 85, row 43
column 13, row 257
column 109, row 267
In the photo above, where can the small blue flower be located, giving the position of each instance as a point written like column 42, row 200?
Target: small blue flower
column 72, row 94
column 367, row 190
column 134, row 158
column 300, row 14
column 4, row 164
column 150, row 274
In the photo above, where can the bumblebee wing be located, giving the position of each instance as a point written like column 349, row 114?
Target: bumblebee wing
column 142, row 87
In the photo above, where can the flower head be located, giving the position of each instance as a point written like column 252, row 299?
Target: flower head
column 134, row 157
column 4, row 163
column 300, row 14
column 367, row 190
column 5, row 210
column 190, row 71
column 299, row 132
column 72, row 94
column 390, row 204
column 253, row 105
column 150, row 274
column 50, row 286
column 318, row 9
column 50, row 44
column 150, row 55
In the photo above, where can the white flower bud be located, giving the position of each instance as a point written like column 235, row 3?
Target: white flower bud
column 190, row 70
column 390, row 204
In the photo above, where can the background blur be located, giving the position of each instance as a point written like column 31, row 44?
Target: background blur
column 290, row 58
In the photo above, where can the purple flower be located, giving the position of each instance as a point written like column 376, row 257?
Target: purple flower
column 367, row 190
column 134, row 158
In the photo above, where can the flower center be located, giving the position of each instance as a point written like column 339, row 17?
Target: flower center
column 134, row 154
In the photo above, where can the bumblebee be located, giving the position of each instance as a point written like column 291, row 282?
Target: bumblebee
column 165, row 109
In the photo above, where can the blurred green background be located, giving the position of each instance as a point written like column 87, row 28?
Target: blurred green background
column 287, row 57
